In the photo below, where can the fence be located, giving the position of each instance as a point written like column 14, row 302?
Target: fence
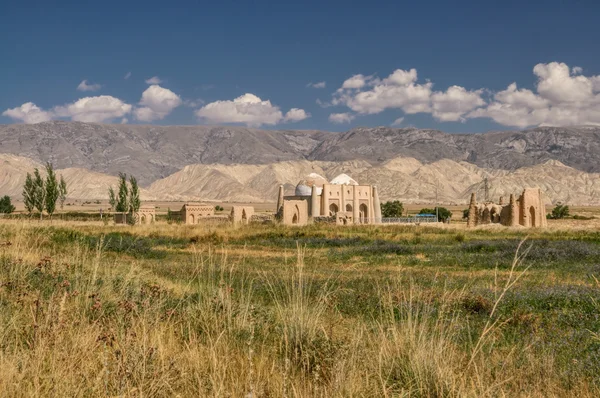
column 407, row 220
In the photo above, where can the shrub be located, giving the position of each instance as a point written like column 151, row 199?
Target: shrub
column 6, row 206
column 443, row 213
column 560, row 211
column 392, row 209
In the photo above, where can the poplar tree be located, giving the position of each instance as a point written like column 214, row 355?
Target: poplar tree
column 29, row 194
column 122, row 202
column 62, row 192
column 52, row 191
column 134, row 195
column 112, row 200
column 39, row 196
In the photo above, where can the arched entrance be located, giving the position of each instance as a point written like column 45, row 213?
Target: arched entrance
column 244, row 217
column 493, row 216
column 532, row 219
column 142, row 219
column 333, row 209
column 191, row 219
column 348, row 207
column 363, row 213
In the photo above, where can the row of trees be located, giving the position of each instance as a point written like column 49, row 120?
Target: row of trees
column 395, row 209
column 127, row 199
column 42, row 194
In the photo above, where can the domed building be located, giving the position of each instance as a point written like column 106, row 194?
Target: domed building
column 343, row 198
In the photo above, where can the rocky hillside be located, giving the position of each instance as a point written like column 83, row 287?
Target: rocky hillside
column 405, row 179
column 155, row 152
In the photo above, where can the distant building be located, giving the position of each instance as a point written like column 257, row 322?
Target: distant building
column 528, row 210
column 193, row 213
column 145, row 215
column 342, row 199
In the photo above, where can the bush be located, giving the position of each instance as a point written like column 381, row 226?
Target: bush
column 219, row 208
column 6, row 206
column 392, row 209
column 560, row 211
column 443, row 213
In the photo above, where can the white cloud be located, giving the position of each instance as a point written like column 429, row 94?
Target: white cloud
column 249, row 110
column 127, row 75
column 94, row 109
column 355, row 82
column 296, row 115
column 124, row 120
column 340, row 118
column 28, row 113
column 193, row 103
column 564, row 97
column 398, row 122
column 157, row 102
column 451, row 105
column 84, row 86
column 154, row 80
column 316, row 85
column 399, row 90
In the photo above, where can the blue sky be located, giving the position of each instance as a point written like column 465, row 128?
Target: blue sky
column 205, row 55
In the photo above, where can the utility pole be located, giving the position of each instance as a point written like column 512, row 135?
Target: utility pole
column 437, row 212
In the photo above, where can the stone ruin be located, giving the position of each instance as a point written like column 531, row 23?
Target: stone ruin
column 145, row 215
column 193, row 213
column 342, row 199
column 528, row 211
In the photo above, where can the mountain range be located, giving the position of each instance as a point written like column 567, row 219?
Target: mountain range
column 247, row 165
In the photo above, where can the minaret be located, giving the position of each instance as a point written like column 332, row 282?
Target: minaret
column 376, row 205
column 279, row 212
column 472, row 217
column 514, row 214
column 315, row 206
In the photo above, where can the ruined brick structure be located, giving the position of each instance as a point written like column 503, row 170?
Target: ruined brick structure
column 528, row 210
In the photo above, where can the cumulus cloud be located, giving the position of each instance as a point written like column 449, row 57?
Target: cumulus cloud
column 340, row 118
column 563, row 97
column 28, row 113
column 296, row 115
column 154, row 80
column 156, row 103
column 370, row 95
column 84, row 86
column 249, row 110
column 94, row 109
column 316, row 85
column 451, row 105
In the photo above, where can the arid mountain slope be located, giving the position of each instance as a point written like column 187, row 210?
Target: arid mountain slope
column 155, row 152
column 405, row 179
column 82, row 183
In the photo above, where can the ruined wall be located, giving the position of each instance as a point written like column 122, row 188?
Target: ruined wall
column 241, row 214
column 295, row 212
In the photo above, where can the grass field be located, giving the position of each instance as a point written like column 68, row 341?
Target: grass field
column 266, row 311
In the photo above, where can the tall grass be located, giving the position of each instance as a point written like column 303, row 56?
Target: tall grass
column 79, row 320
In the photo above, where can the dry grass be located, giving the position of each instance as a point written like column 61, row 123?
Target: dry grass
column 214, row 319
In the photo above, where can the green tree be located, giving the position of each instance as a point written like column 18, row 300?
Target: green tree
column 29, row 194
column 39, row 192
column 62, row 192
column 112, row 200
column 560, row 211
column 122, row 205
column 52, row 191
column 134, row 195
column 443, row 213
column 6, row 206
column 392, row 209
column 465, row 213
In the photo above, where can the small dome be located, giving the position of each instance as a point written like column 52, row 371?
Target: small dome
column 304, row 187
column 344, row 179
